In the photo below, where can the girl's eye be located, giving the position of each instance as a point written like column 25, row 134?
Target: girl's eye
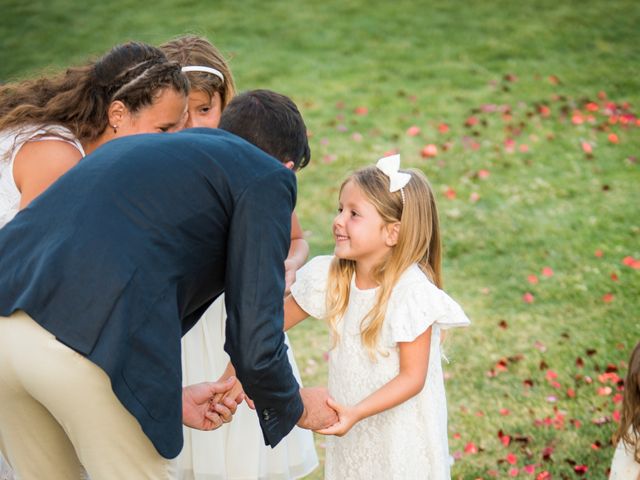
column 205, row 110
column 163, row 129
column 354, row 213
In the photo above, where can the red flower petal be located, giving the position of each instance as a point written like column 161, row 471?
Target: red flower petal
column 528, row 297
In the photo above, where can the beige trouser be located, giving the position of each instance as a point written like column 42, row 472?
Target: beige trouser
column 58, row 412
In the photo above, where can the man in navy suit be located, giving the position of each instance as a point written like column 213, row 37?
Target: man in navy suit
column 102, row 274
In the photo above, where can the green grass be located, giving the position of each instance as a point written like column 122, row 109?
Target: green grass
column 422, row 64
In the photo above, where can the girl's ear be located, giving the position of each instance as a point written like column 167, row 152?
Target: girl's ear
column 289, row 164
column 116, row 113
column 393, row 230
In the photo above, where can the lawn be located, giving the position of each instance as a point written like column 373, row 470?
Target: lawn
column 524, row 117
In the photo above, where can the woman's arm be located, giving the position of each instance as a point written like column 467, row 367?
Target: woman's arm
column 39, row 164
column 298, row 252
column 414, row 362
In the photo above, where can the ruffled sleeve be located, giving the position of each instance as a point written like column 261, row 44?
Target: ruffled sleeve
column 418, row 304
column 310, row 287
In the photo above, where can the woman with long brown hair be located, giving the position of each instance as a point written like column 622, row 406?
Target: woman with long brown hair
column 47, row 125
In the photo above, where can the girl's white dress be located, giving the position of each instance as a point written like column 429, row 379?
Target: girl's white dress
column 11, row 141
column 409, row 441
column 235, row 451
column 624, row 466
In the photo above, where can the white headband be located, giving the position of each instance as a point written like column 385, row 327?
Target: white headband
column 200, row 68
column 390, row 166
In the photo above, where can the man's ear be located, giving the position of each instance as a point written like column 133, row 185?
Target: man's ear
column 393, row 230
column 289, row 164
column 117, row 111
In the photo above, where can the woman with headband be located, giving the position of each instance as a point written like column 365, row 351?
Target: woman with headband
column 47, row 125
column 235, row 450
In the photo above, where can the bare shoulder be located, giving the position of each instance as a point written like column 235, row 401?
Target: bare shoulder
column 40, row 163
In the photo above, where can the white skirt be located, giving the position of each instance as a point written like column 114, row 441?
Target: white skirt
column 235, row 451
column 5, row 470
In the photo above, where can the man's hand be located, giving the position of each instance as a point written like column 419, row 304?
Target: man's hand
column 317, row 413
column 198, row 411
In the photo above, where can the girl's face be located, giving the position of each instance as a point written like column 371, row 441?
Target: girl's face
column 359, row 231
column 166, row 114
column 204, row 111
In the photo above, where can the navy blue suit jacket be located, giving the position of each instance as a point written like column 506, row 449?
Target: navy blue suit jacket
column 122, row 255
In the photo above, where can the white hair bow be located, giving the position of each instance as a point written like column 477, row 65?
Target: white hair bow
column 390, row 167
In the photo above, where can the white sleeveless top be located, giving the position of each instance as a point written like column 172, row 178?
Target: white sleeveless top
column 11, row 141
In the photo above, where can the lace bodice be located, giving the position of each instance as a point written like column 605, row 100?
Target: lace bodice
column 406, row 442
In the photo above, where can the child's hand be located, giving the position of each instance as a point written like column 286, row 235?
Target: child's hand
column 347, row 418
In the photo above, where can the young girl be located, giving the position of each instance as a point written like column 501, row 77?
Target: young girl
column 381, row 296
column 235, row 451
column 626, row 460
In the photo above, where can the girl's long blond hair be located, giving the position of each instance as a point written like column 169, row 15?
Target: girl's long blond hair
column 418, row 242
column 629, row 428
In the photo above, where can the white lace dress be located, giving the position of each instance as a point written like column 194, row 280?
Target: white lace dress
column 409, row 441
column 10, row 143
column 623, row 465
column 235, row 451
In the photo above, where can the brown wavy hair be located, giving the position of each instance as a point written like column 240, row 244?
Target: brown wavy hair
column 192, row 50
column 629, row 428
column 79, row 98
column 418, row 242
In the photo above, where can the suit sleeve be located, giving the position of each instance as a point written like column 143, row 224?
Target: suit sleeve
column 258, row 244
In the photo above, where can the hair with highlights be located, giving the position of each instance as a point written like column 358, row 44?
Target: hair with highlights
column 192, row 50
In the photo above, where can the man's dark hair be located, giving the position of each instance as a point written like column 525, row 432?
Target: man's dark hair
column 271, row 122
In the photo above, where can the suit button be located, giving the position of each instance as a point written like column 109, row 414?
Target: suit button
column 265, row 414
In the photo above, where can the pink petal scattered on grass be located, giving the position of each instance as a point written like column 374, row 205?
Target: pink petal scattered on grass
column 511, row 459
column 598, row 253
column 532, row 279
column 577, row 118
column 608, row 297
column 482, row 174
column 613, row 138
column 474, row 197
column 528, row 297
column 471, row 448
column 429, row 151
column 547, row 272
column 443, row 128
column 413, row 130
column 513, row 472
column 580, row 469
column 529, row 469
column 586, row 148
column 450, row 193
column 361, row 110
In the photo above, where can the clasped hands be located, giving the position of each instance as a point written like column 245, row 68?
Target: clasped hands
column 208, row 405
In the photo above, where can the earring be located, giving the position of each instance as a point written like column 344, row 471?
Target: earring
column 115, row 129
